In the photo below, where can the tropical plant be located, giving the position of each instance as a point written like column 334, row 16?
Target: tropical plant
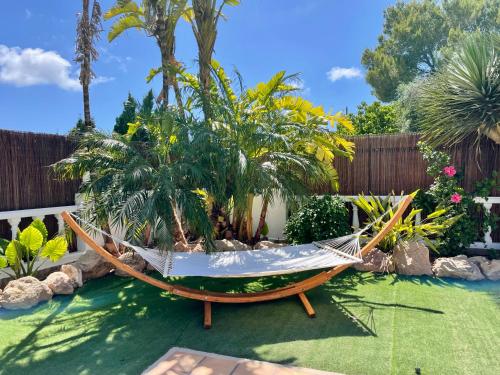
column 158, row 18
column 31, row 245
column 318, row 218
column 380, row 210
column 463, row 98
column 204, row 16
column 87, row 33
column 274, row 143
column 139, row 182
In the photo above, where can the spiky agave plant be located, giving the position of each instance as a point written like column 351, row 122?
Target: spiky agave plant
column 463, row 98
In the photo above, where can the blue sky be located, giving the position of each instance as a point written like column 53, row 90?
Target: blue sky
column 38, row 78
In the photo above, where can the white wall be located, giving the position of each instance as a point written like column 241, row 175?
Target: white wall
column 275, row 219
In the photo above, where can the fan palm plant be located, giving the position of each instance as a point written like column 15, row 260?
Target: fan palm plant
column 139, row 178
column 158, row 18
column 463, row 98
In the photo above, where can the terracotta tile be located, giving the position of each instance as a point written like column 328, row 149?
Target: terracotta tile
column 254, row 368
column 214, row 366
column 177, row 364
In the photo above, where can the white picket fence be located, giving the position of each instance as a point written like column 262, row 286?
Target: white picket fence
column 276, row 220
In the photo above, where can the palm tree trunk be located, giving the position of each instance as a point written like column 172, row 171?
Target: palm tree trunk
column 205, row 18
column 85, row 67
column 165, row 74
column 249, row 219
column 178, row 231
column 262, row 220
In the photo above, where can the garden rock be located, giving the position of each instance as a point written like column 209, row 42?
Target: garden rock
column 93, row 266
column 24, row 293
column 74, row 273
column 190, row 247
column 262, row 245
column 458, row 267
column 491, row 269
column 231, row 245
column 59, row 283
column 412, row 258
column 133, row 260
column 376, row 261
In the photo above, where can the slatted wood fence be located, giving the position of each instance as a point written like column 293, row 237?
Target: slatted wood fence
column 25, row 178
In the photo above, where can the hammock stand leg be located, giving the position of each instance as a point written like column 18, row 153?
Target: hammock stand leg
column 207, row 314
column 307, row 305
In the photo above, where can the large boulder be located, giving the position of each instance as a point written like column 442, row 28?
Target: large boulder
column 133, row 260
column 491, row 269
column 458, row 267
column 411, row 258
column 74, row 273
column 262, row 245
column 376, row 261
column 231, row 245
column 59, row 283
column 93, row 266
column 24, row 293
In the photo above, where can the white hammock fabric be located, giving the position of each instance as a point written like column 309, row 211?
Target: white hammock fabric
column 251, row 263
column 246, row 263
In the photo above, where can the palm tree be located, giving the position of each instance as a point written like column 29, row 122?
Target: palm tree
column 204, row 17
column 137, row 179
column 463, row 98
column 158, row 18
column 87, row 31
column 273, row 142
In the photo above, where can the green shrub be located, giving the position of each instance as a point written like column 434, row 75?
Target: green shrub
column 319, row 218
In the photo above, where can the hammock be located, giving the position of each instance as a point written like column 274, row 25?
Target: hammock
column 337, row 255
column 343, row 250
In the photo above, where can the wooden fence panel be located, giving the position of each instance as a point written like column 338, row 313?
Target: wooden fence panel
column 26, row 181
column 25, row 177
column 383, row 163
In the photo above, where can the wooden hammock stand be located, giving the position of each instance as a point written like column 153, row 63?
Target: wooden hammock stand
column 298, row 288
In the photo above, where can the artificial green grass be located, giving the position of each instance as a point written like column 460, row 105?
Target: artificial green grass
column 365, row 324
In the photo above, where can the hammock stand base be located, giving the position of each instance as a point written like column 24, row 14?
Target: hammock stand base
column 207, row 297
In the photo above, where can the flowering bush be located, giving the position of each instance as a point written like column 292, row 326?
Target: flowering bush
column 446, row 191
column 319, row 218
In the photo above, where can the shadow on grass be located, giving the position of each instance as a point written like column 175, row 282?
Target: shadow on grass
column 120, row 326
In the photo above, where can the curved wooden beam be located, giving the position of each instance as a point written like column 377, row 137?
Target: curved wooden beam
column 209, row 296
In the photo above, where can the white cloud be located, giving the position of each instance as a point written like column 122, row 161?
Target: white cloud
column 27, row 14
column 336, row 73
column 35, row 66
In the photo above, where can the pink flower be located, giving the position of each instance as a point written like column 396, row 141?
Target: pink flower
column 450, row 171
column 456, row 198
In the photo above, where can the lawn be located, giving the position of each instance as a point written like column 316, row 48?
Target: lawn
column 365, row 324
